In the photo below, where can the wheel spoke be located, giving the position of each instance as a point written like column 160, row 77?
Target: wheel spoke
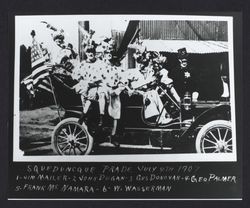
column 74, row 130
column 216, row 151
column 77, row 139
column 229, row 140
column 64, row 131
column 81, row 144
column 225, row 135
column 62, row 137
column 78, row 133
column 218, row 129
column 210, row 141
column 213, row 136
column 211, row 147
column 228, row 149
column 65, row 148
column 69, row 130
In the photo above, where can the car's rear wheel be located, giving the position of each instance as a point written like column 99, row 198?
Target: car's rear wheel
column 71, row 138
column 215, row 137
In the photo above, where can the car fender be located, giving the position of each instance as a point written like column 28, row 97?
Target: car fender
column 218, row 112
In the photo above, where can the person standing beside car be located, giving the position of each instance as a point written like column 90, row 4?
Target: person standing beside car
column 183, row 77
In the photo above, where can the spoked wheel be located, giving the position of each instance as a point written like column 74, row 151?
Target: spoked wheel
column 215, row 137
column 71, row 138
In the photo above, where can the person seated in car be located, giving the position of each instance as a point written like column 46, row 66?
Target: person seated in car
column 95, row 73
column 159, row 64
column 90, row 86
column 143, row 82
column 151, row 64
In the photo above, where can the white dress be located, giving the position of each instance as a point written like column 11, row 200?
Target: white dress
column 155, row 106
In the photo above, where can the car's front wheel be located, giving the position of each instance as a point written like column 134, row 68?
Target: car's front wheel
column 215, row 137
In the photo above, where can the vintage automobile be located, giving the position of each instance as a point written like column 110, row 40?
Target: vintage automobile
column 200, row 126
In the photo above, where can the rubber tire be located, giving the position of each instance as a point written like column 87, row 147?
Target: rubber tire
column 207, row 127
column 71, row 120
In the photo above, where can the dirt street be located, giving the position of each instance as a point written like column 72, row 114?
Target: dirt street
column 36, row 127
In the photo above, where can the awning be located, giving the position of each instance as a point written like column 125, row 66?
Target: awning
column 192, row 46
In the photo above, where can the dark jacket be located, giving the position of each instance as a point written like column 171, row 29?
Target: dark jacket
column 180, row 82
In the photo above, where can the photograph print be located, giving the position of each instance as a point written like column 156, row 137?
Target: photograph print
column 124, row 88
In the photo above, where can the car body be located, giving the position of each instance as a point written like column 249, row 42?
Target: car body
column 203, row 127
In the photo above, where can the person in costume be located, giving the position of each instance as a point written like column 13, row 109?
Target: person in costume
column 152, row 74
column 91, row 83
column 61, row 55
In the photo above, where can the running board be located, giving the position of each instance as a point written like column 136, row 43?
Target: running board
column 108, row 144
column 152, row 129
